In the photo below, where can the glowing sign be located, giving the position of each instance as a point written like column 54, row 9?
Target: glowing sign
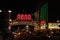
column 23, row 16
column 43, row 22
column 53, row 25
column 29, row 17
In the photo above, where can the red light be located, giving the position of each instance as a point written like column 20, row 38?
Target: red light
column 24, row 17
column 18, row 17
column 29, row 17
column 43, row 22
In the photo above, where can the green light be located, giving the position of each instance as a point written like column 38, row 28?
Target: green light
column 44, row 13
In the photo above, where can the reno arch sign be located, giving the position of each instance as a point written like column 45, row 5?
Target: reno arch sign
column 23, row 17
column 24, row 23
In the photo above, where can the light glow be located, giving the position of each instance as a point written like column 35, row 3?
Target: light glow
column 0, row 10
column 9, row 11
column 23, row 17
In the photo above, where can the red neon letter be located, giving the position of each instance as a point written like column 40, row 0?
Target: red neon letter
column 18, row 17
column 29, row 17
column 22, row 16
column 25, row 18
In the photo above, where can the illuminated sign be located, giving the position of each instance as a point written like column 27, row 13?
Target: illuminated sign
column 23, row 17
column 43, row 22
column 53, row 25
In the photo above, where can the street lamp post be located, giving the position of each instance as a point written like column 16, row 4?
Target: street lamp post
column 9, row 28
column 9, row 13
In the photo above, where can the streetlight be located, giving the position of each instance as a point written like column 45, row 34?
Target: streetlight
column 27, row 26
column 9, row 11
column 0, row 11
column 9, row 27
column 9, row 15
column 57, row 21
column 10, row 19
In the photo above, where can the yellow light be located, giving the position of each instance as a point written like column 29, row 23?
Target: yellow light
column 15, row 35
column 14, row 32
column 10, row 19
column 51, row 32
column 19, row 33
column 27, row 30
column 27, row 26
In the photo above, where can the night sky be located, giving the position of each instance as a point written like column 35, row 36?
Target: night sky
column 30, row 5
column 53, row 11
column 18, row 5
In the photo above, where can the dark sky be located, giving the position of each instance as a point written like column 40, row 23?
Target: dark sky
column 18, row 4
column 53, row 11
column 31, row 5
column 21, row 4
